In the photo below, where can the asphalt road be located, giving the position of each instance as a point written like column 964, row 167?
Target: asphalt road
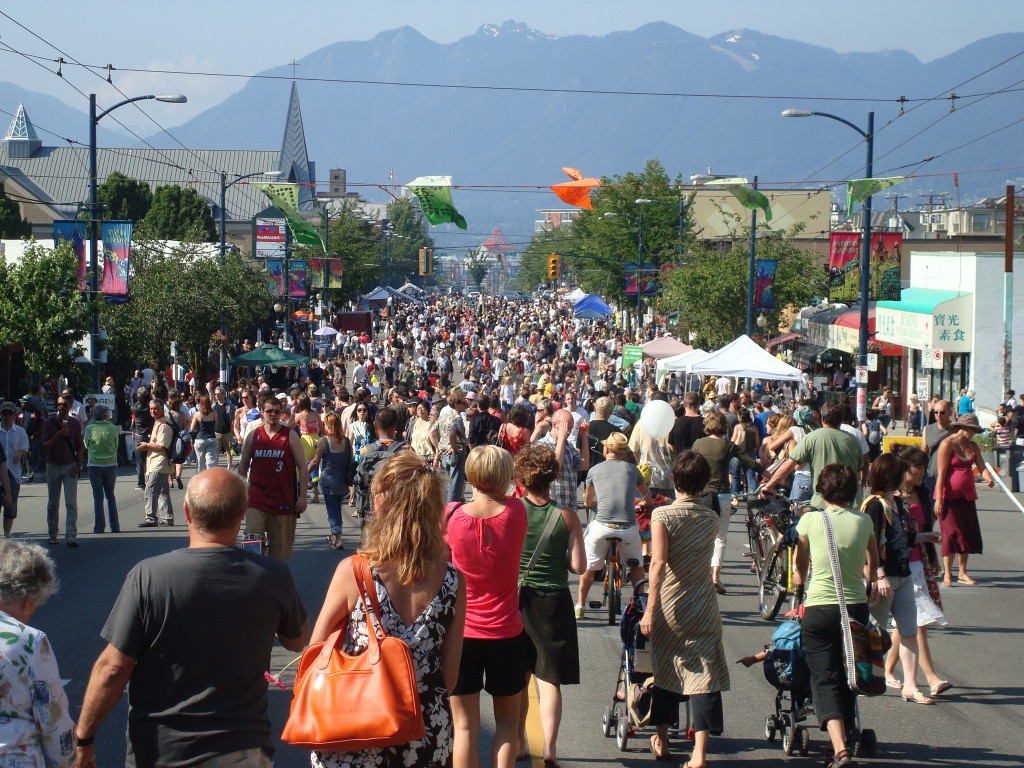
column 978, row 723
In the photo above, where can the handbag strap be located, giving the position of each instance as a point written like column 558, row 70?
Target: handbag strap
column 549, row 528
column 844, row 614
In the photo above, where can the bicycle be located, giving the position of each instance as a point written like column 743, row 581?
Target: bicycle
column 613, row 581
column 759, row 536
column 776, row 580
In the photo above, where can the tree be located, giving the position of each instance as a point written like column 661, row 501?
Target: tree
column 41, row 308
column 180, row 214
column 183, row 295
column 124, row 199
column 12, row 224
column 401, row 243
column 353, row 240
column 710, row 290
column 533, row 266
column 477, row 265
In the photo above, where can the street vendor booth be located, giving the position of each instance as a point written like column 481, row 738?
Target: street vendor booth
column 591, row 307
column 743, row 358
column 665, row 346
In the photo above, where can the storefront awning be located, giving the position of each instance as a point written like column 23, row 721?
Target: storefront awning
column 840, row 330
column 812, row 353
column 928, row 317
column 782, row 339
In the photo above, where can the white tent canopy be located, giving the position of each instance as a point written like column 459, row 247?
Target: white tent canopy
column 575, row 296
column 745, row 359
column 678, row 363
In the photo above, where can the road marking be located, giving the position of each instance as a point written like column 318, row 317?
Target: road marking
column 534, row 733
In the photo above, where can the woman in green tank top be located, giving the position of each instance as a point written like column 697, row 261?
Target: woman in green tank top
column 544, row 599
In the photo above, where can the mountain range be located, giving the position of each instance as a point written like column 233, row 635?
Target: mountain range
column 507, row 107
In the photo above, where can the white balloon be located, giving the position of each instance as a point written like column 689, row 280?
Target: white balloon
column 657, row 419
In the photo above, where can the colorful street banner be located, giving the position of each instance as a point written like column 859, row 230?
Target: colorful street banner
column 860, row 189
column 435, row 196
column 749, row 197
column 577, row 191
column 117, row 253
column 275, row 275
column 336, row 273
column 648, row 275
column 844, row 266
column 297, row 279
column 73, row 231
column 286, row 197
column 764, row 284
column 315, row 274
column 269, row 238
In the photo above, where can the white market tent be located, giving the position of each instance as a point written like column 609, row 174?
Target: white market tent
column 664, row 347
column 743, row 358
column 575, row 296
column 678, row 363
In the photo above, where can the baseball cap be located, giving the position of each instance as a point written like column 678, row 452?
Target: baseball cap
column 471, row 395
column 766, row 400
column 8, row 407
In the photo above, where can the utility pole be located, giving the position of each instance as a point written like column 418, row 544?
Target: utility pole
column 1008, row 289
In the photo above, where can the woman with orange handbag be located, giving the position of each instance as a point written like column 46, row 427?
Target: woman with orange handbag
column 422, row 599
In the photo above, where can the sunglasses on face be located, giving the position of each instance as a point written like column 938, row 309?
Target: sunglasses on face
column 272, row 411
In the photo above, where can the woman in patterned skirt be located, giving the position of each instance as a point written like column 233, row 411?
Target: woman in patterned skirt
column 423, row 603
column 682, row 617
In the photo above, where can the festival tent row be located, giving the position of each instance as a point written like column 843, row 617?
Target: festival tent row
column 743, row 358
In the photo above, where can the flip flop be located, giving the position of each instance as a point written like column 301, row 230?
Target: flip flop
column 968, row 581
column 918, row 698
column 666, row 755
column 892, row 682
column 942, row 687
column 947, row 583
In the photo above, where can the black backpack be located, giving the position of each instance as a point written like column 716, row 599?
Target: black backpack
column 181, row 442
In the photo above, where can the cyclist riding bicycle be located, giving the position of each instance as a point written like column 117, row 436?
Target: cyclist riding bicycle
column 612, row 487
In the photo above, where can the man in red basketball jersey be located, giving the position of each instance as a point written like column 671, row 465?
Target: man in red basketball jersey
column 271, row 453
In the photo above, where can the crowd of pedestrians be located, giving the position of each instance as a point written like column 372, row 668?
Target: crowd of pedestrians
column 534, row 412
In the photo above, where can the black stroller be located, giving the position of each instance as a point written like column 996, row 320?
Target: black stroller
column 628, row 714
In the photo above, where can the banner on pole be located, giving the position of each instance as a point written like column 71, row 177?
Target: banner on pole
column 648, row 276
column 297, row 269
column 764, row 284
column 117, row 252
column 335, row 273
column 73, row 231
column 844, row 266
column 275, row 275
column 315, row 274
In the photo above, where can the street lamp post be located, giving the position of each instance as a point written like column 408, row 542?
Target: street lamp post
column 865, row 245
column 94, row 287
column 224, row 184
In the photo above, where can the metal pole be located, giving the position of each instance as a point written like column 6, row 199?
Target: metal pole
column 1008, row 289
column 223, row 366
column 750, row 268
column 865, row 273
column 93, row 246
column 287, row 284
column 639, row 276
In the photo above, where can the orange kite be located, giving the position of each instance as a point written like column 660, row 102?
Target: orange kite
column 577, row 191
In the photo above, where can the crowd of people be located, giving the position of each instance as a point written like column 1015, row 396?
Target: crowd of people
column 533, row 410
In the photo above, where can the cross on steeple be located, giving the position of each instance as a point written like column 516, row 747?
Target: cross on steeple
column 293, row 65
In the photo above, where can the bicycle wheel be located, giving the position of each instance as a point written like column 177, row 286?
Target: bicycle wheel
column 772, row 592
column 614, row 592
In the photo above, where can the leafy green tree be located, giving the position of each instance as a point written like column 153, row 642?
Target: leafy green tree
column 399, row 248
column 710, row 289
column 124, row 199
column 533, row 265
column 12, row 224
column 183, row 295
column 478, row 263
column 354, row 241
column 180, row 214
column 42, row 309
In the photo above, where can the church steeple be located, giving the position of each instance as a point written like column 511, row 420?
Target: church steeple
column 21, row 138
column 294, row 163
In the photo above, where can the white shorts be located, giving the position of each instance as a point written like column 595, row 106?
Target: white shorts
column 595, row 542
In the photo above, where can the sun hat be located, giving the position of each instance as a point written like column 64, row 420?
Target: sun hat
column 616, row 442
column 967, row 421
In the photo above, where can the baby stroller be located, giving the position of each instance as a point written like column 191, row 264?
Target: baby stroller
column 786, row 669
column 628, row 714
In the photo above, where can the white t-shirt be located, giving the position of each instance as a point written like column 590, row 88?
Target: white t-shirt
column 858, row 434
column 723, row 385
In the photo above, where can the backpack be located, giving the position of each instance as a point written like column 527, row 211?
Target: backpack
column 181, row 442
column 785, row 666
column 368, row 466
column 874, row 433
column 493, row 436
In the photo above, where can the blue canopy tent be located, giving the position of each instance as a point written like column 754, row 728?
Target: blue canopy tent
column 591, row 307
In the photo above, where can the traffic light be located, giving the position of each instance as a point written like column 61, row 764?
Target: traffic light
column 553, row 266
column 426, row 262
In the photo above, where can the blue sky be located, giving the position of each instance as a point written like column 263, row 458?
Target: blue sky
column 246, row 37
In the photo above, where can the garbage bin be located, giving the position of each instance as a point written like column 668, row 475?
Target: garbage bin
column 1017, row 479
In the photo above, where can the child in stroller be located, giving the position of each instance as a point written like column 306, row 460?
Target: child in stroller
column 786, row 669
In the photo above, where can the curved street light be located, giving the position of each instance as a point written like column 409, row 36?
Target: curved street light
column 865, row 245
column 94, row 118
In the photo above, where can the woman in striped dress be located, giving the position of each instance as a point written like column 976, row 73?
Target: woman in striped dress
column 682, row 617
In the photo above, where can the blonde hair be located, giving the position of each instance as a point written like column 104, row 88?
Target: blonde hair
column 714, row 423
column 489, row 469
column 406, row 525
column 784, row 423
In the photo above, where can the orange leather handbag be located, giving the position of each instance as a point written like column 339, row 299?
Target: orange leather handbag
column 348, row 703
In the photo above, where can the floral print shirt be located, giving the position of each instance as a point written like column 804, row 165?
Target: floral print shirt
column 36, row 730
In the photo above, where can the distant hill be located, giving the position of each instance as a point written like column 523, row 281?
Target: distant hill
column 510, row 138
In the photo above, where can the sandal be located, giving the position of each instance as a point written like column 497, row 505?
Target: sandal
column 918, row 698
column 947, row 583
column 892, row 682
column 967, row 580
column 335, row 542
column 666, row 755
column 841, row 759
column 941, row 687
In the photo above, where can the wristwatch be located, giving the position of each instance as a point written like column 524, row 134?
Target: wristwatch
column 86, row 742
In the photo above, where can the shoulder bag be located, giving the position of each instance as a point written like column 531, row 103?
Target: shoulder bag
column 348, row 703
column 864, row 645
column 542, row 542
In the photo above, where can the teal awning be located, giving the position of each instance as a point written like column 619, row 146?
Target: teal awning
column 922, row 301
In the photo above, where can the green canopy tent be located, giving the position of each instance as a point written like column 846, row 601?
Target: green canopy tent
column 273, row 356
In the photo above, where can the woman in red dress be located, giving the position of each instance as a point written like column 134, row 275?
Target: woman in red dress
column 956, row 496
